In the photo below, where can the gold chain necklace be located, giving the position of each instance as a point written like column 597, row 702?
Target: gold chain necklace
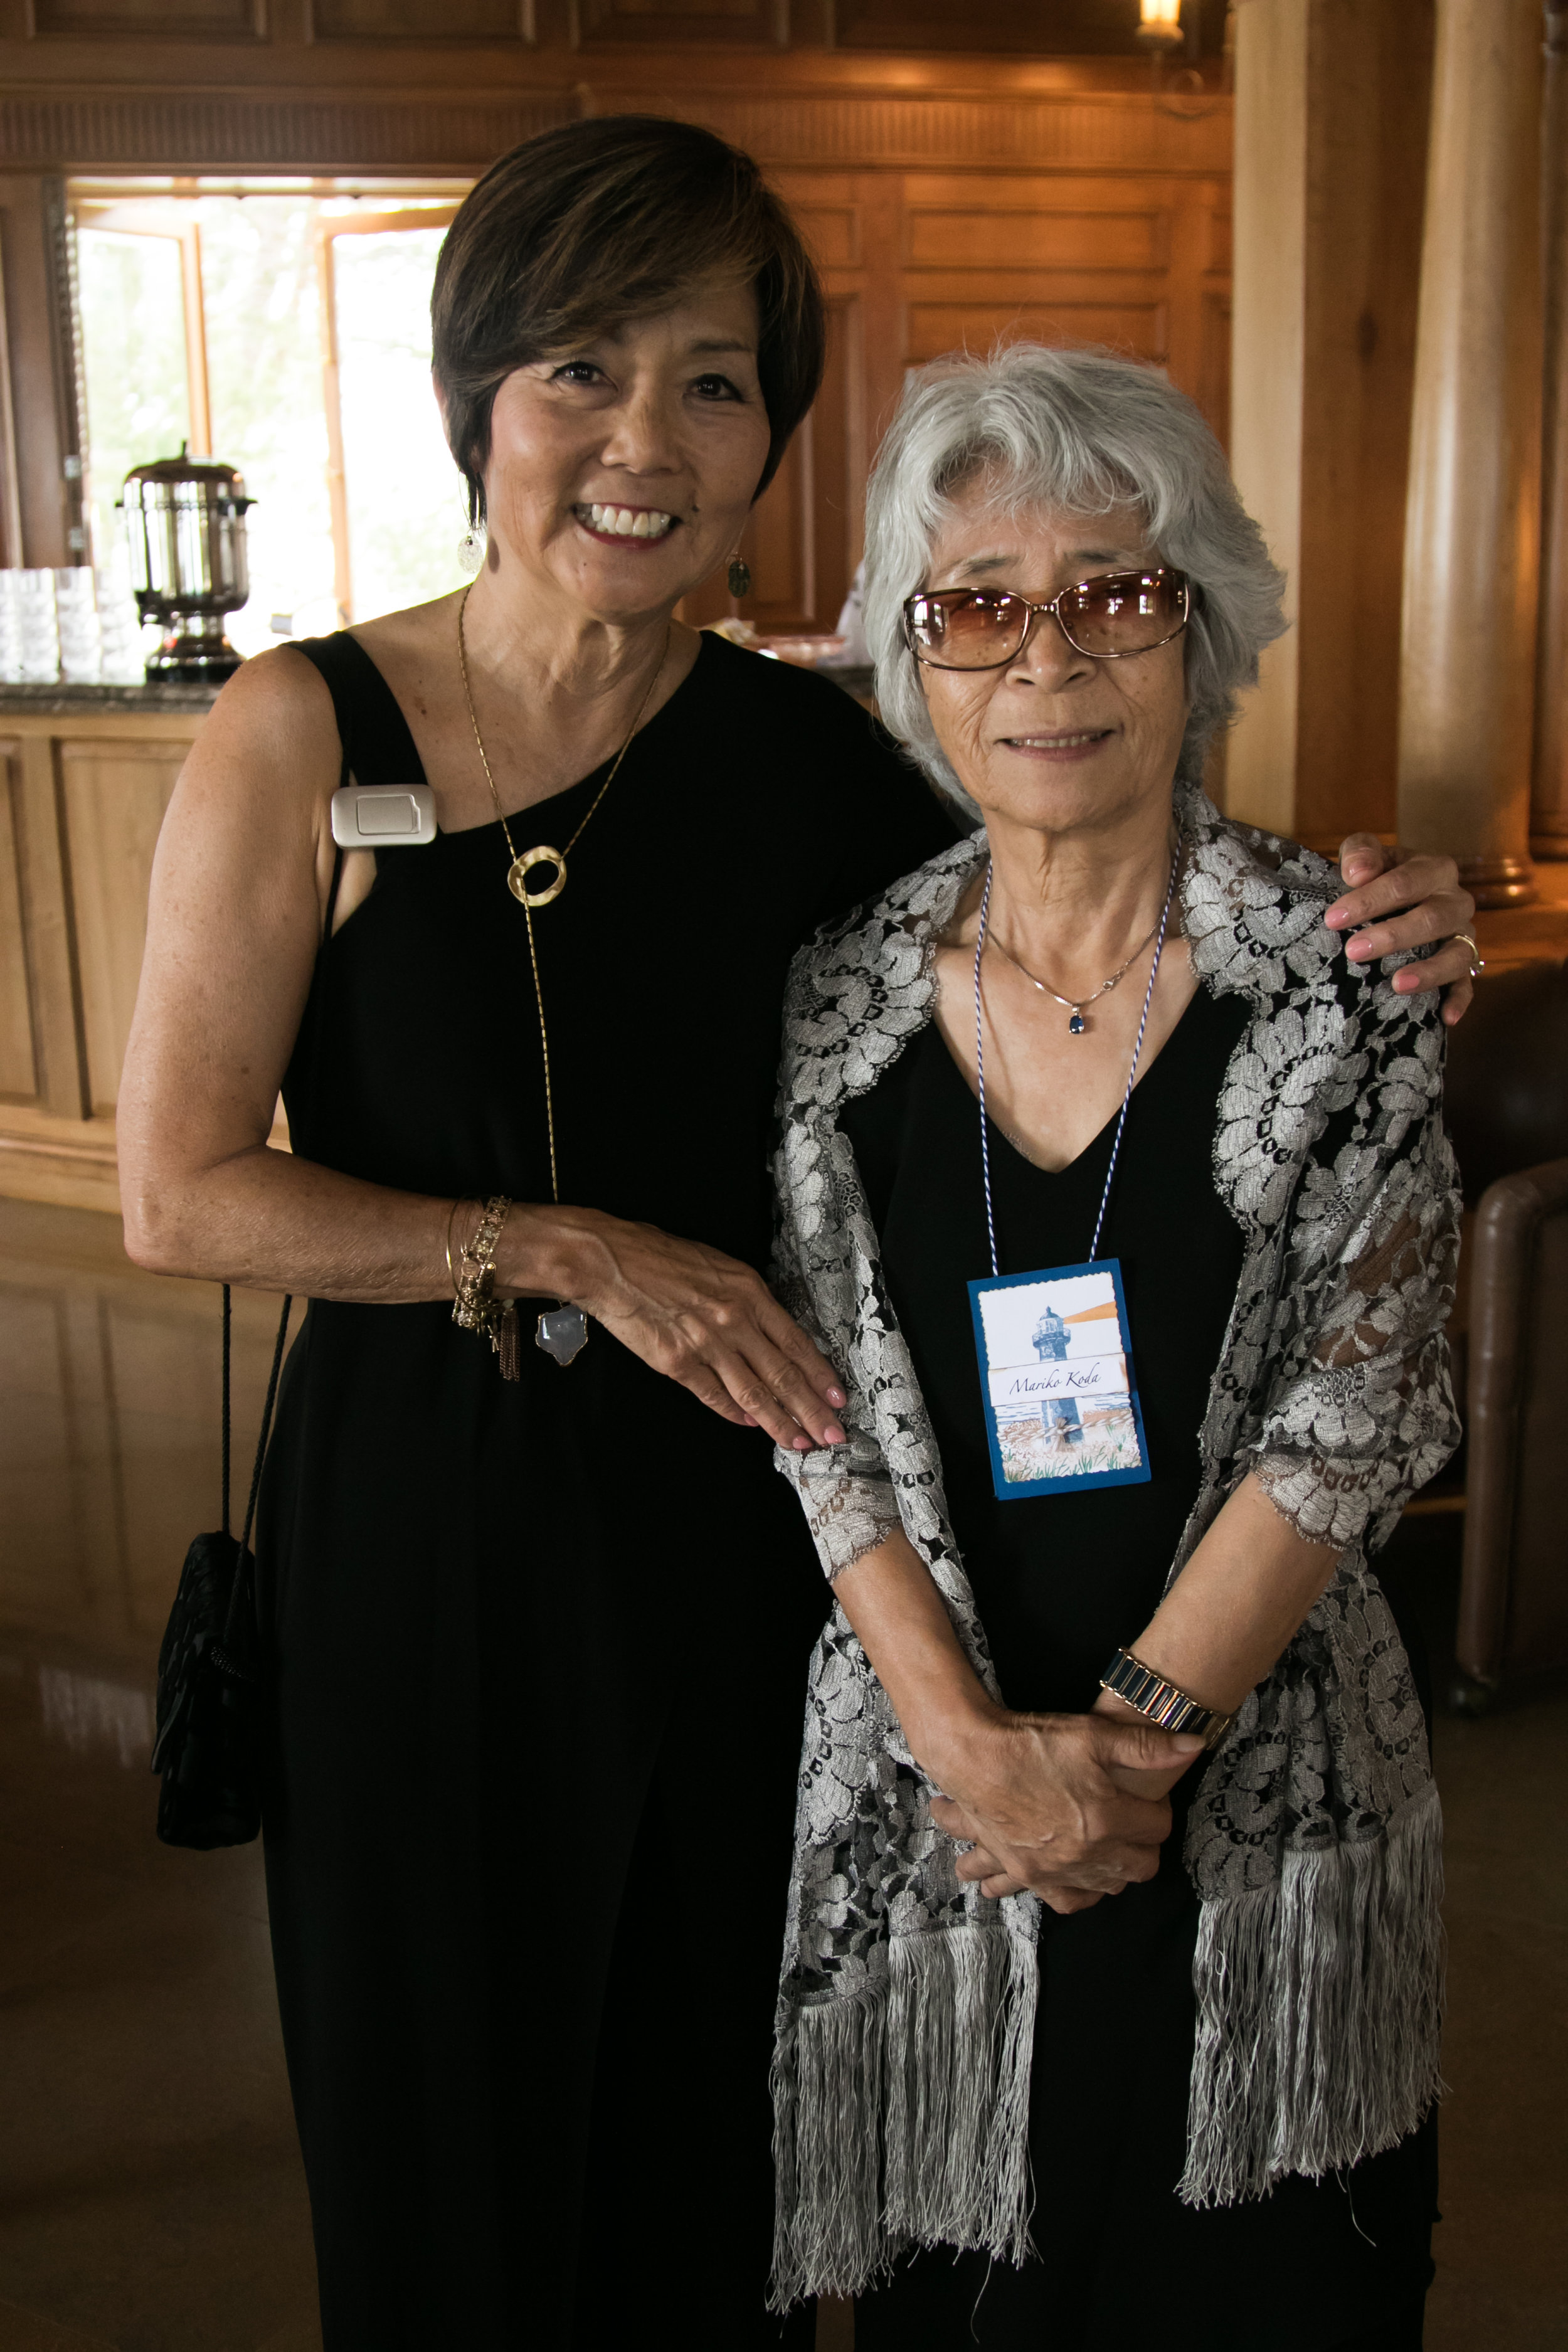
column 521, row 867
column 563, row 1331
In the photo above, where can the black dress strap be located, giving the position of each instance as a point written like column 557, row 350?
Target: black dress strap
column 377, row 746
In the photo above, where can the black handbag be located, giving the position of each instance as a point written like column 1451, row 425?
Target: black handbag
column 210, row 1669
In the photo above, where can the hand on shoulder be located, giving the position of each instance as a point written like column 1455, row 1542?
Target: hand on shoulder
column 1398, row 900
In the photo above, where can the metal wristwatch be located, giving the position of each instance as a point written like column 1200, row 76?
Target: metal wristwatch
column 1128, row 1679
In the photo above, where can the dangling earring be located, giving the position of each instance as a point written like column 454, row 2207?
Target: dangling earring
column 739, row 577
column 471, row 551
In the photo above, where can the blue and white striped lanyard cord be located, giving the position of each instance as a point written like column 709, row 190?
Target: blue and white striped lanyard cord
column 1131, row 1074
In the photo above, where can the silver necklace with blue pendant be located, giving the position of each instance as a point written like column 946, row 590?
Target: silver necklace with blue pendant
column 1074, row 1005
column 1056, row 1378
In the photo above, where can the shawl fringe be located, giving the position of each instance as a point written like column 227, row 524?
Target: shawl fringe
column 900, row 2112
column 1320, row 2010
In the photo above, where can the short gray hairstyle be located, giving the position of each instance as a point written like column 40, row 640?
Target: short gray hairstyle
column 1082, row 430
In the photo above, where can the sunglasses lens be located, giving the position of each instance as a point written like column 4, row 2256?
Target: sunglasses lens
column 1125, row 611
column 975, row 631
column 981, row 628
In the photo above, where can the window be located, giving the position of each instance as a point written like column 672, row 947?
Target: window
column 283, row 328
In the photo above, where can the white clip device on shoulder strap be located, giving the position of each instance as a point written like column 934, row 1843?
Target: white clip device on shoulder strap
column 384, row 816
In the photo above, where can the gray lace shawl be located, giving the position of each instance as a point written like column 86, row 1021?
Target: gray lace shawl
column 906, row 2012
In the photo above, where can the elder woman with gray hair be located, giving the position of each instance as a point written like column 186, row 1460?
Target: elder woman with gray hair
column 1123, row 1202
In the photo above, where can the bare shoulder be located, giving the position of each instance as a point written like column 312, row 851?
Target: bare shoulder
column 416, row 651
column 252, row 809
column 413, row 627
column 271, row 733
column 239, row 881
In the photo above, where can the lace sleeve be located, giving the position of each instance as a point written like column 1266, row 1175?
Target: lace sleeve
column 846, row 1491
column 1360, row 1412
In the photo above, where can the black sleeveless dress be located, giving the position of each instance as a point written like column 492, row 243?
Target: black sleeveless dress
column 1060, row 1581
column 540, row 1649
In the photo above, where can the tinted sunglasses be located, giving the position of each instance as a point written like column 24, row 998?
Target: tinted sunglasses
column 1108, row 617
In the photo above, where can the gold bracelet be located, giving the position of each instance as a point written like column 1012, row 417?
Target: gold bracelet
column 476, row 1306
column 451, row 1220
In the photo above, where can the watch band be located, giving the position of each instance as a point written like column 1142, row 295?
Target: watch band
column 1174, row 1710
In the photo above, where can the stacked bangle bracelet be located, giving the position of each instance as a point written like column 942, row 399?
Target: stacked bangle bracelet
column 475, row 1307
column 1174, row 1710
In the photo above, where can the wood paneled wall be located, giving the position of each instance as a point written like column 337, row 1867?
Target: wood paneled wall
column 920, row 263
column 955, row 190
column 1096, row 30
column 81, row 800
column 952, row 196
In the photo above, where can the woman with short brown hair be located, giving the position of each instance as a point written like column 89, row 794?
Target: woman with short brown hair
column 539, row 1611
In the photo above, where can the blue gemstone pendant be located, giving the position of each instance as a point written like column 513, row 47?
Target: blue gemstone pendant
column 1078, row 1024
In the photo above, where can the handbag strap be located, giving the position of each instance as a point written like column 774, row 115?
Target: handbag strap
column 260, row 1444
column 227, row 1328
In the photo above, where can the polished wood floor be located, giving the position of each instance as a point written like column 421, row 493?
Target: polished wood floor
column 151, row 2194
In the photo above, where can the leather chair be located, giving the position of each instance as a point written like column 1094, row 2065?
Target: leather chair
column 1507, row 1108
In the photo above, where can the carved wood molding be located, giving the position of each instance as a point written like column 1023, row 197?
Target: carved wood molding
column 266, row 130
column 1086, row 132
column 224, row 131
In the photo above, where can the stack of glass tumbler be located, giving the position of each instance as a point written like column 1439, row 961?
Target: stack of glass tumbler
column 70, row 625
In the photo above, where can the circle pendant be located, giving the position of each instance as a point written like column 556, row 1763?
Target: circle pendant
column 521, row 868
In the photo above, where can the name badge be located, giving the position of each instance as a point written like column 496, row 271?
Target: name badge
column 1057, row 1381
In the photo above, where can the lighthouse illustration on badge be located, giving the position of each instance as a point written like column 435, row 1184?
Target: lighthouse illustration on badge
column 1061, row 1401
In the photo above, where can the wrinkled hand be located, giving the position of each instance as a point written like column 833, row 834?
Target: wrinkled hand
column 711, row 1323
column 1383, row 882
column 1051, row 1803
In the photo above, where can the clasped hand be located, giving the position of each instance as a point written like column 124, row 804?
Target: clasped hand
column 1074, row 1807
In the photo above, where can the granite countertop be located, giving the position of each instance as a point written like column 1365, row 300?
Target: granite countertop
column 59, row 701
column 56, row 699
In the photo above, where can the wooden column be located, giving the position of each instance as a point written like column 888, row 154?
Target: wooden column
column 1472, row 532
column 1331, row 141
column 1267, row 370
column 1549, row 798
column 37, row 413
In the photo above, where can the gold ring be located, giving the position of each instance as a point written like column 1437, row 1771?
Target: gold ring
column 1478, row 961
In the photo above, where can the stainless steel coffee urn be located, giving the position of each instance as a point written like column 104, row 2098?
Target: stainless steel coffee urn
column 184, row 518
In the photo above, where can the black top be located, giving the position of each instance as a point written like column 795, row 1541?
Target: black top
column 491, row 1713
column 1060, row 1579
column 756, row 803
